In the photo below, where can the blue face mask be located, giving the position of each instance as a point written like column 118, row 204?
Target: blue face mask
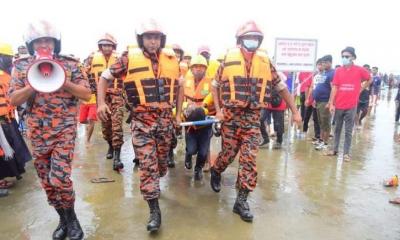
column 250, row 44
column 346, row 61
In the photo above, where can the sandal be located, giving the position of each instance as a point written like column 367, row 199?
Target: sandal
column 346, row 158
column 102, row 180
column 395, row 201
column 4, row 184
column 330, row 153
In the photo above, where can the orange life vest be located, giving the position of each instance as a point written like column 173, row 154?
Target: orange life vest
column 242, row 89
column 145, row 88
column 197, row 93
column 98, row 66
column 6, row 110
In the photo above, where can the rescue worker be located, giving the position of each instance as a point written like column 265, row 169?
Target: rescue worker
column 213, row 65
column 22, row 52
column 243, row 84
column 150, row 72
column 180, row 54
column 112, row 128
column 13, row 150
column 195, row 88
column 52, row 120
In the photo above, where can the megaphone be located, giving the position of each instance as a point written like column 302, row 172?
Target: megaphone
column 45, row 74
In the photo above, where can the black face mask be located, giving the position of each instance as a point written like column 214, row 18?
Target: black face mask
column 6, row 63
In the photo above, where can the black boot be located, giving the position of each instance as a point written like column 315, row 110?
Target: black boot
column 110, row 152
column 74, row 228
column 61, row 231
column 198, row 174
column 117, row 165
column 264, row 142
column 241, row 206
column 188, row 161
column 215, row 180
column 155, row 216
column 171, row 161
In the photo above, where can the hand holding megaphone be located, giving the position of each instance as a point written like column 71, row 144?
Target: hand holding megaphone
column 46, row 74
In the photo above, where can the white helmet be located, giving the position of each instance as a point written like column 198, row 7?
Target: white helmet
column 150, row 26
column 41, row 29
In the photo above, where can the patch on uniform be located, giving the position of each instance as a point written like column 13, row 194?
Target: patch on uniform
column 204, row 92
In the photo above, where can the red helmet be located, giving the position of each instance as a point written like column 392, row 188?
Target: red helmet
column 249, row 28
column 107, row 39
column 150, row 26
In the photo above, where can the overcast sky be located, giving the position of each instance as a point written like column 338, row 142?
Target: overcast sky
column 372, row 27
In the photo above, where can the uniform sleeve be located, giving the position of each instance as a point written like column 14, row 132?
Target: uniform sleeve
column 18, row 77
column 78, row 76
column 119, row 69
column 218, row 76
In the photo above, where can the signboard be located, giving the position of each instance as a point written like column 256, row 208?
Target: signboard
column 295, row 55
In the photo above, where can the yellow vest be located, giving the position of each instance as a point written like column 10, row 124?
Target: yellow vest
column 238, row 88
column 99, row 64
column 212, row 68
column 147, row 89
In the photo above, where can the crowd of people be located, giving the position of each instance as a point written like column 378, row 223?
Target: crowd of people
column 162, row 86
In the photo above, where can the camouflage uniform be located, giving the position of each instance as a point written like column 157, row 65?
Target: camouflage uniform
column 112, row 129
column 152, row 133
column 240, row 132
column 51, row 120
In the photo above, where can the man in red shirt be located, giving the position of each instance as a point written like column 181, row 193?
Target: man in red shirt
column 346, row 88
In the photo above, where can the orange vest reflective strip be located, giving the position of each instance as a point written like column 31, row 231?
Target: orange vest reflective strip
column 5, row 107
column 239, row 87
column 143, row 87
column 193, row 93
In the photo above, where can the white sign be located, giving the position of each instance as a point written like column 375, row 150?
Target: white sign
column 295, row 55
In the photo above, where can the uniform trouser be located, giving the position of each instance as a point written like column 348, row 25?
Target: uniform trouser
column 112, row 129
column 151, row 139
column 311, row 111
column 198, row 142
column 53, row 153
column 241, row 133
column 347, row 117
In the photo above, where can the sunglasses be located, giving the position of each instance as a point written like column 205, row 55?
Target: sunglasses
column 346, row 56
